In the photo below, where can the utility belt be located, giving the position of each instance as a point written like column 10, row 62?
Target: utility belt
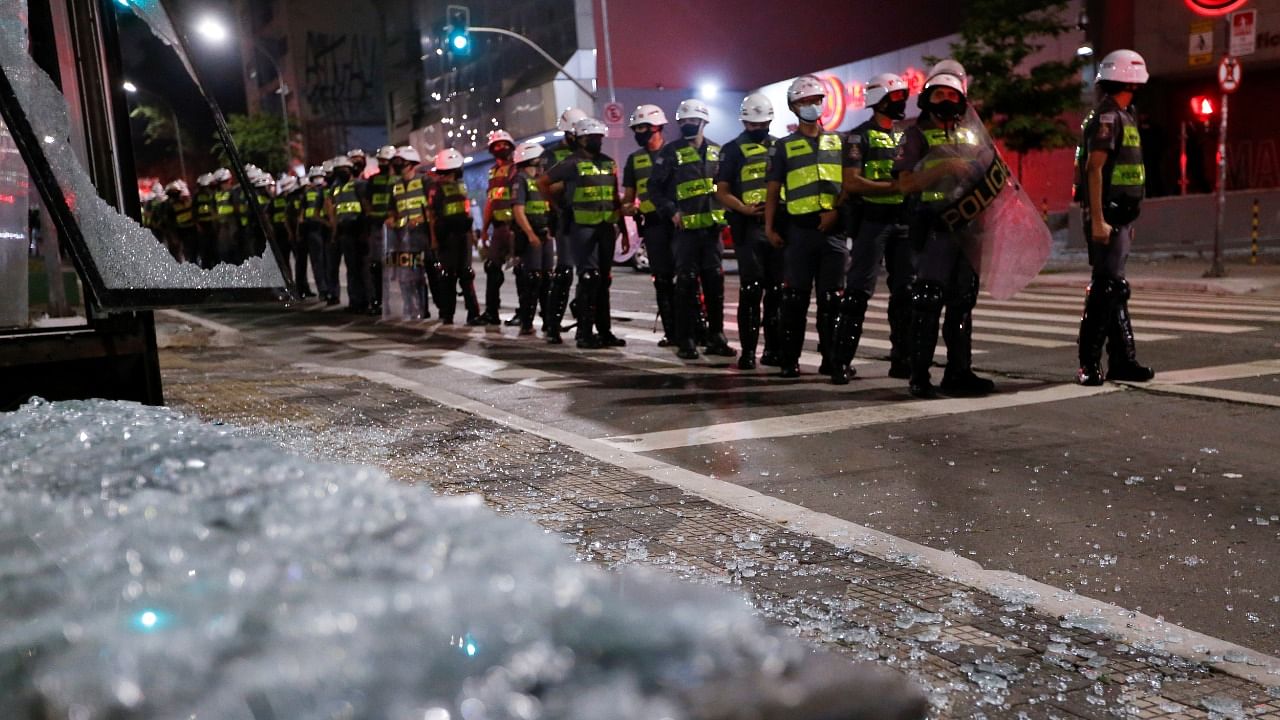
column 882, row 214
column 1121, row 210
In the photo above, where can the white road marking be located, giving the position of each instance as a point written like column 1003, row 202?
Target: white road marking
column 1236, row 396
column 980, row 315
column 845, row 419
column 1140, row 310
column 1126, row 625
column 1192, row 304
column 1217, row 373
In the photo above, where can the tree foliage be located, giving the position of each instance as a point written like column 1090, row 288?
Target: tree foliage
column 259, row 139
column 1023, row 107
column 159, row 130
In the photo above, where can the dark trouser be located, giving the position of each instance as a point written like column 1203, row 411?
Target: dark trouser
column 207, row 238
column 189, row 240
column 454, row 255
column 227, row 244
column 353, row 243
column 311, row 247
column 1106, row 314
column 878, row 240
column 495, row 256
column 699, row 260
column 286, row 247
column 944, row 278
column 811, row 258
column 592, row 248
column 332, row 263
column 380, row 237
column 658, row 234
column 760, row 268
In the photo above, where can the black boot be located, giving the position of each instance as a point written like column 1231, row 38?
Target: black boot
column 664, row 290
column 528, row 299
column 700, row 328
column 522, row 296
column 959, row 378
column 558, row 298
column 1122, row 353
column 828, row 308
column 493, row 279
column 434, row 283
column 900, row 334
column 469, row 300
column 749, row 296
column 848, row 333
column 792, row 321
column 446, row 295
column 585, row 302
column 769, row 322
column 604, row 317
column 544, row 296
column 687, row 304
column 1093, row 332
column 926, row 309
column 713, row 292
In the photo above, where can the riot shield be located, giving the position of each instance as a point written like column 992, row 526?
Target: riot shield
column 403, row 273
column 999, row 229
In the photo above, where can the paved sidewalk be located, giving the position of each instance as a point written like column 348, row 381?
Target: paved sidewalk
column 1183, row 274
column 980, row 655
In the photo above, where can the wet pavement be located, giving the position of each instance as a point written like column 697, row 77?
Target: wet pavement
column 979, row 652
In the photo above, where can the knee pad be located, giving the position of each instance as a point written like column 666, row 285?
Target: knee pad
column 752, row 290
column 853, row 302
column 469, row 274
column 564, row 275
column 492, row 266
column 1120, row 287
column 829, row 300
column 589, row 276
column 687, row 282
column 664, row 281
column 447, row 277
column 926, row 296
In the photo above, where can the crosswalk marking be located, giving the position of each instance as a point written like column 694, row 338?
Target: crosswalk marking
column 1143, row 302
column 1140, row 310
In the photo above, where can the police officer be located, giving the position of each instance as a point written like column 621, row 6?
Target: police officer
column 881, row 229
column 358, row 162
column 314, row 230
column 588, row 180
column 536, row 249
column 263, row 187
column 561, row 279
column 495, row 232
column 182, row 220
column 944, row 276
column 452, row 237
column 227, row 243
column 647, row 123
column 411, row 257
column 206, row 221
column 280, row 226
column 1110, row 179
column 742, row 186
column 378, row 187
column 683, row 188
column 810, row 165
column 294, row 190
column 347, row 211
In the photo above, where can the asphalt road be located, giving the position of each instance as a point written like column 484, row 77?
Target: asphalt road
column 1162, row 499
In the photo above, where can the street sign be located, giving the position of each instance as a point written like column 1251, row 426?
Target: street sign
column 1200, row 44
column 1244, row 33
column 614, row 114
column 1229, row 74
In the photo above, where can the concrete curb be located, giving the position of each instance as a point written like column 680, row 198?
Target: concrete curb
column 1207, row 286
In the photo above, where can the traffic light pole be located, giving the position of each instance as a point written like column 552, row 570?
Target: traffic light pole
column 1217, row 270
column 540, row 51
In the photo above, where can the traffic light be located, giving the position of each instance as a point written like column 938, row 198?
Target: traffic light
column 1202, row 107
column 457, row 34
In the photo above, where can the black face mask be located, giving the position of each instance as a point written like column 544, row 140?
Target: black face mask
column 643, row 137
column 756, row 136
column 895, row 109
column 342, row 175
column 593, row 144
column 946, row 110
column 503, row 154
column 690, row 130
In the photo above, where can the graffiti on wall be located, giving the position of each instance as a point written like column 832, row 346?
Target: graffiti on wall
column 341, row 77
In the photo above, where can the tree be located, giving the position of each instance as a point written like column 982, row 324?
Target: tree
column 259, row 139
column 1022, row 107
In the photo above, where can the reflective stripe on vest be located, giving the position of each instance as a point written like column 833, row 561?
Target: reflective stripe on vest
column 204, row 206
column 535, row 206
column 559, row 153
column 696, row 187
column 263, row 201
column 280, row 209
column 313, row 205
column 1128, row 170
column 226, row 208
column 380, row 195
column 456, row 201
column 813, row 178
column 752, row 181
column 938, row 137
column 411, row 203
column 346, row 204
column 878, row 162
column 500, row 177
column 184, row 215
column 595, row 199
column 641, row 169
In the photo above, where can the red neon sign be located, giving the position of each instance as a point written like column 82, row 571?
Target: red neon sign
column 1214, row 8
column 842, row 99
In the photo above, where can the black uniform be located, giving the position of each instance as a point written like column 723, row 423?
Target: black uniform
column 536, row 262
column 452, row 238
column 1113, row 130
column 206, row 228
column 657, row 233
column 353, row 242
column 314, row 243
column 378, row 189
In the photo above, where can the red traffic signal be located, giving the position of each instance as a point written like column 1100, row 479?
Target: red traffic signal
column 1202, row 107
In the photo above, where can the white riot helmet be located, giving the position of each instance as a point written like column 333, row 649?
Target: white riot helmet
column 316, row 171
column 327, row 166
column 756, row 108
column 205, row 180
column 588, row 126
column 342, row 161
column 648, row 115
column 569, row 118
column 287, row 184
column 386, row 152
column 449, row 159
column 498, row 136
column 221, row 175
column 947, row 73
column 806, row 86
column 355, row 153
column 693, row 109
column 178, row 186
column 408, row 153
column 527, row 151
column 881, row 86
column 263, row 180
column 1123, row 66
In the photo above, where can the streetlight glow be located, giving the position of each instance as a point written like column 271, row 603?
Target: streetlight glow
column 129, row 87
column 212, row 29
column 708, row 90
